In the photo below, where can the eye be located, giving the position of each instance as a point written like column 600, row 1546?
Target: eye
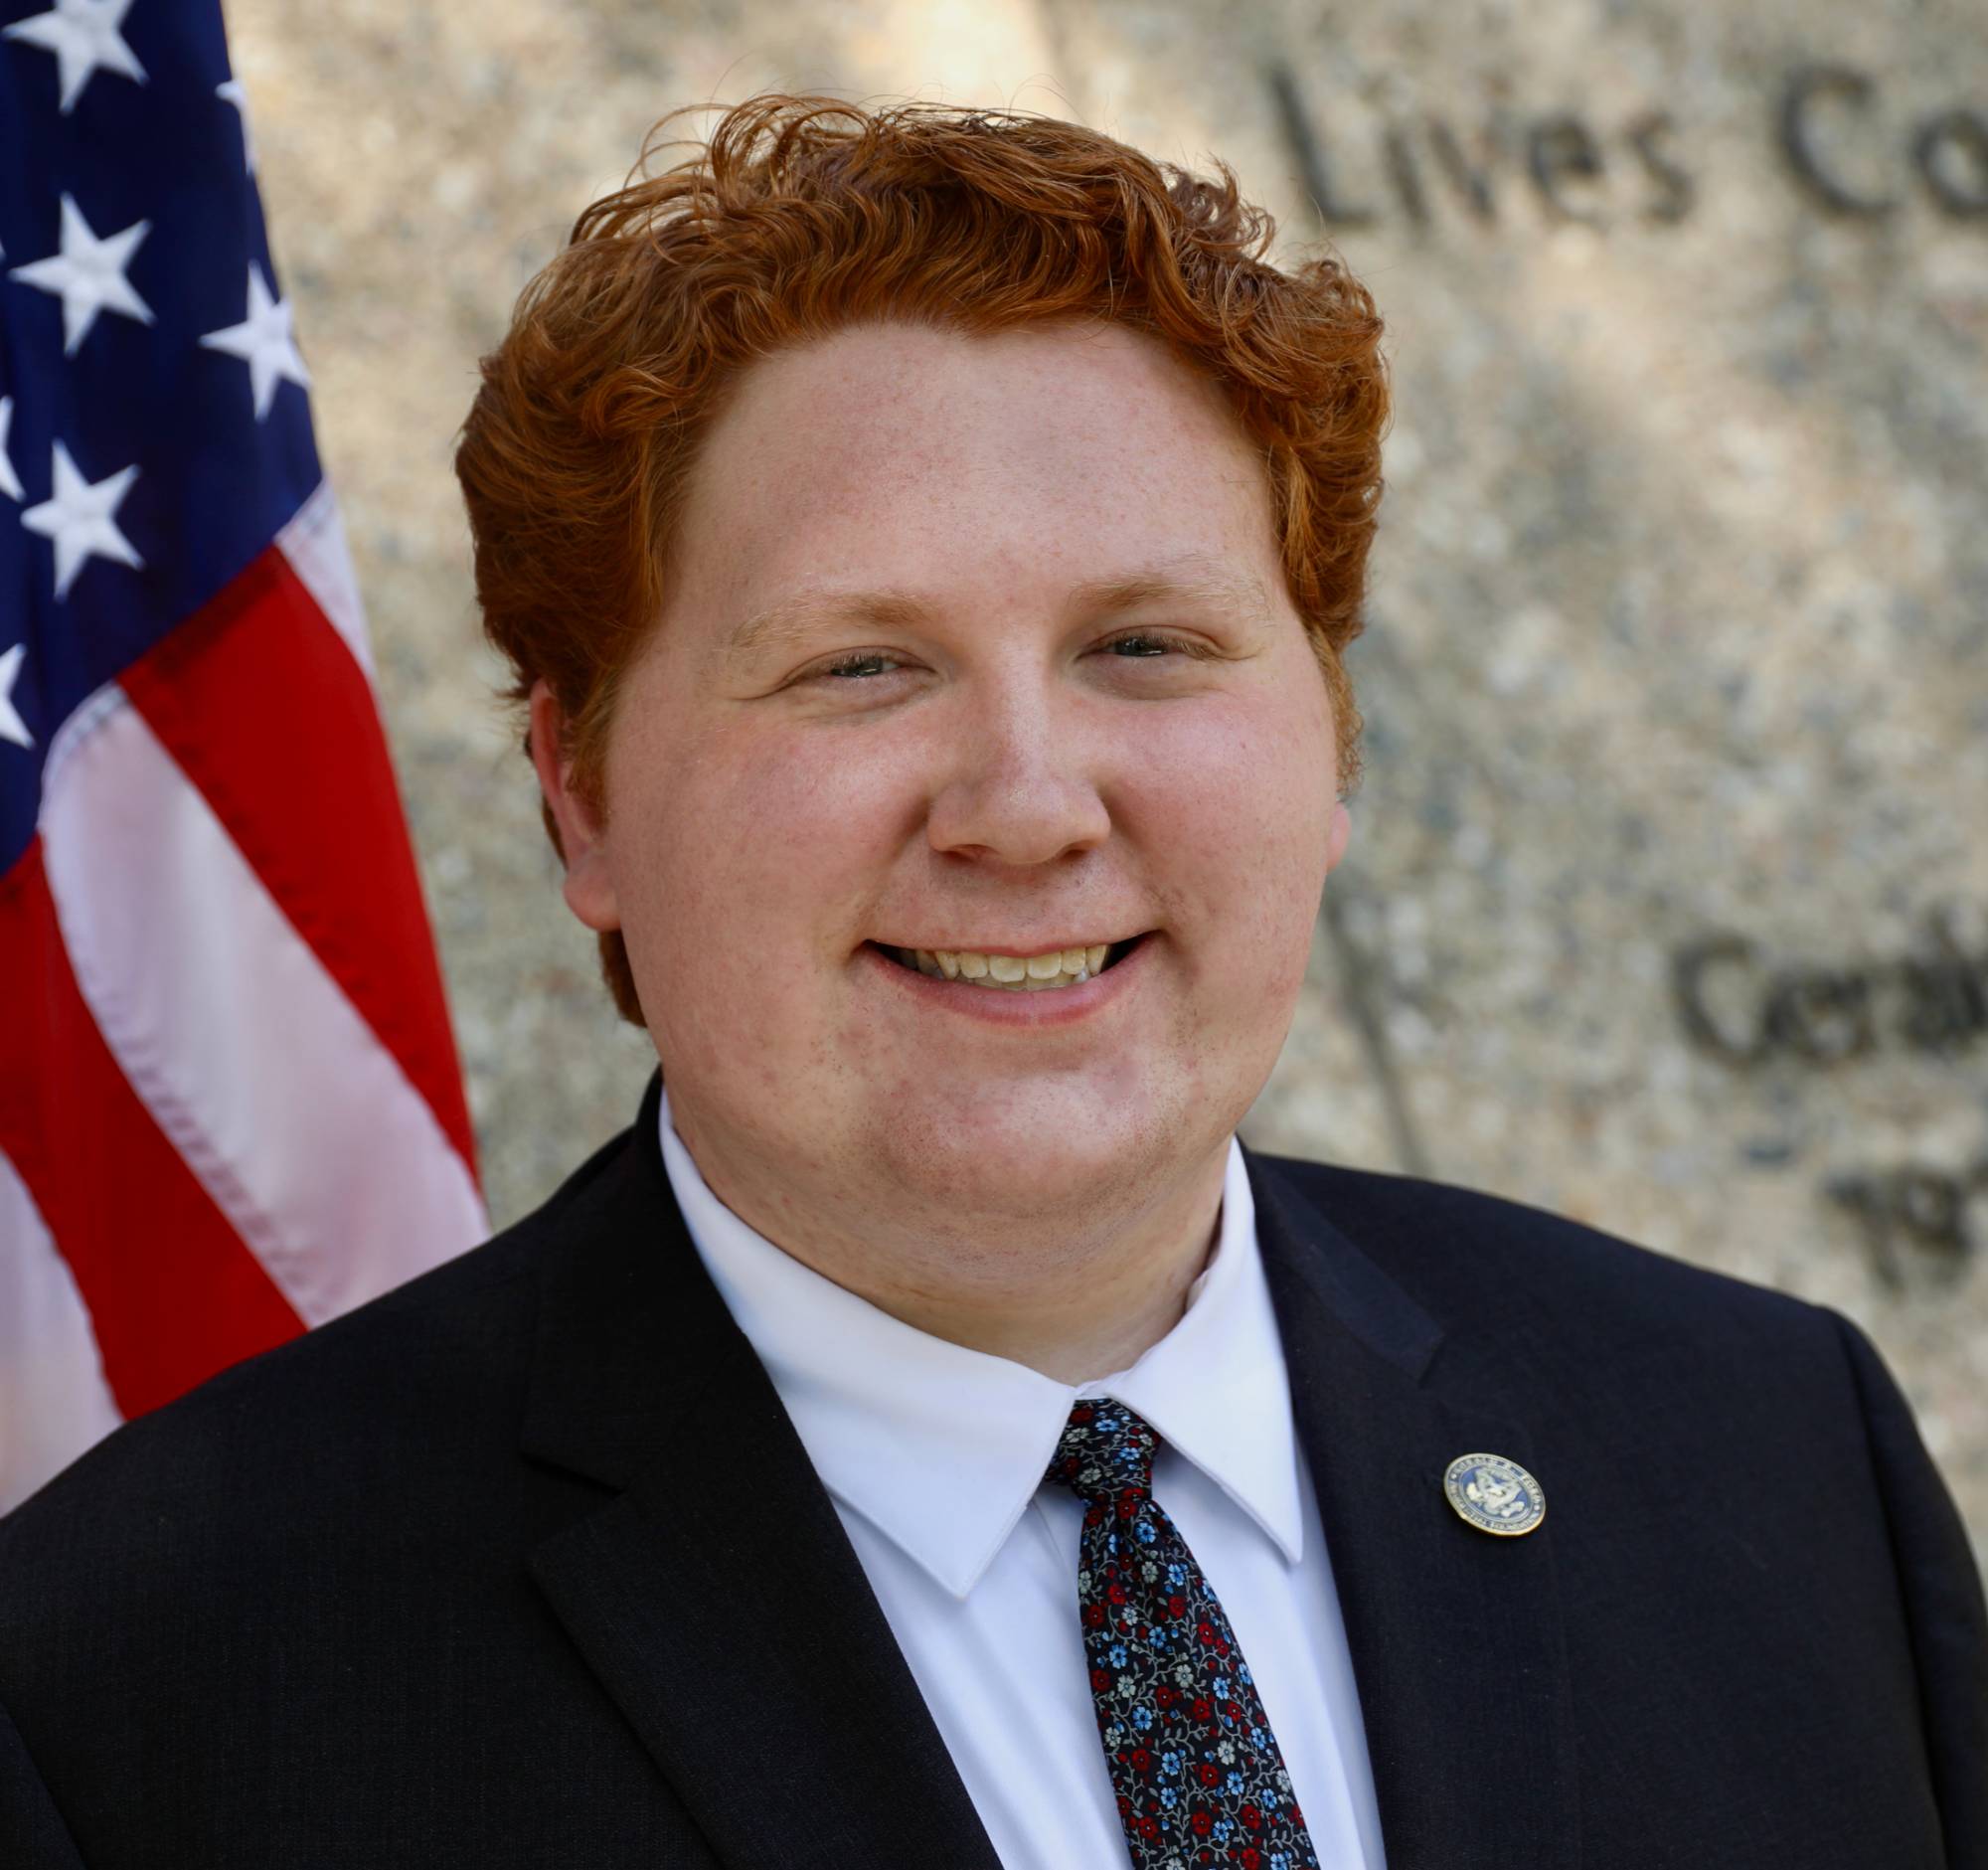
column 1153, row 643
column 859, row 665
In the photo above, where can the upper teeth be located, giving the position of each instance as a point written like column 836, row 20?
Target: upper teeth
column 1018, row 973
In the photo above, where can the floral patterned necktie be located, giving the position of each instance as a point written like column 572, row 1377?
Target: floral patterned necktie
column 1196, row 1767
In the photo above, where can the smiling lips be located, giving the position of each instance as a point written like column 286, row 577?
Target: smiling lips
column 1013, row 973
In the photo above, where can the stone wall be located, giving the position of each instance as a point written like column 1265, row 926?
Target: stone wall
column 1667, row 906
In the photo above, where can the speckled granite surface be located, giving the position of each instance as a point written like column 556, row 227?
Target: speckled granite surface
column 1679, row 643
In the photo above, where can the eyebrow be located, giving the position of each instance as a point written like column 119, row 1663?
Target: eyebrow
column 1195, row 580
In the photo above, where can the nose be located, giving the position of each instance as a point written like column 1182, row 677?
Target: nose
column 1021, row 783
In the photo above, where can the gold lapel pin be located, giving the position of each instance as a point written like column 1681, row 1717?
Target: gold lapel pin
column 1494, row 1495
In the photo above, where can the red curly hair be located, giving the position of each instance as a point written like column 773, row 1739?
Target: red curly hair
column 802, row 215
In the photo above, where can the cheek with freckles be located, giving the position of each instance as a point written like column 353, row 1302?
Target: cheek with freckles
column 746, row 863
column 1236, row 804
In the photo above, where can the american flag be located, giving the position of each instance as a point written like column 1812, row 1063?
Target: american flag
column 229, row 1104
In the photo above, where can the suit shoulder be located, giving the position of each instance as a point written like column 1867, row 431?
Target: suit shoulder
column 405, row 1373
column 1469, row 1254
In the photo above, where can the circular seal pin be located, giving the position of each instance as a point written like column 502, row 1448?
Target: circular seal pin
column 1494, row 1495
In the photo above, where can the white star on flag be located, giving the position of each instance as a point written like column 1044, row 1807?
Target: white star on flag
column 12, row 726
column 79, row 518
column 233, row 92
column 88, row 274
column 263, row 342
column 84, row 34
column 10, row 482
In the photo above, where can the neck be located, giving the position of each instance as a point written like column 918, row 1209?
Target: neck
column 1073, row 1295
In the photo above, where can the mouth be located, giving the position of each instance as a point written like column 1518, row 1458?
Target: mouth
column 1052, row 968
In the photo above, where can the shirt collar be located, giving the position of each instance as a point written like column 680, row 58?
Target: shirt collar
column 943, row 1448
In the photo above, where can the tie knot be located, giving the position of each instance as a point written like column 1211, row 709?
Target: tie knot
column 1106, row 1450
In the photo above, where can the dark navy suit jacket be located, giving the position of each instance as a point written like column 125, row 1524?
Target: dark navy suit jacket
column 523, row 1564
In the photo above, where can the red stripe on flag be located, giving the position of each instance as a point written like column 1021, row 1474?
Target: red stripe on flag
column 260, row 701
column 174, row 1295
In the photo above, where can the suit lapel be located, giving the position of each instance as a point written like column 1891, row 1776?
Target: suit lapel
column 716, row 1596
column 1455, row 1636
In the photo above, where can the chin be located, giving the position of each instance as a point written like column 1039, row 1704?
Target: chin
column 1039, row 1149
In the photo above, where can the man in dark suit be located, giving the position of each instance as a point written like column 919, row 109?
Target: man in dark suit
column 928, row 542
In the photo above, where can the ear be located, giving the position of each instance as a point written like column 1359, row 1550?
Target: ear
column 590, row 882
column 1336, row 834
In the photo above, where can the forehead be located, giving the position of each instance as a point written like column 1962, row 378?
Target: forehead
column 1025, row 462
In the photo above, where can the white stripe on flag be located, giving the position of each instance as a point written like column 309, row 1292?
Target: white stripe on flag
column 54, row 1400
column 296, row 1119
column 315, row 543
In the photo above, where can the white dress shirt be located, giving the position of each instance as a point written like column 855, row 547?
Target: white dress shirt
column 935, row 1457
